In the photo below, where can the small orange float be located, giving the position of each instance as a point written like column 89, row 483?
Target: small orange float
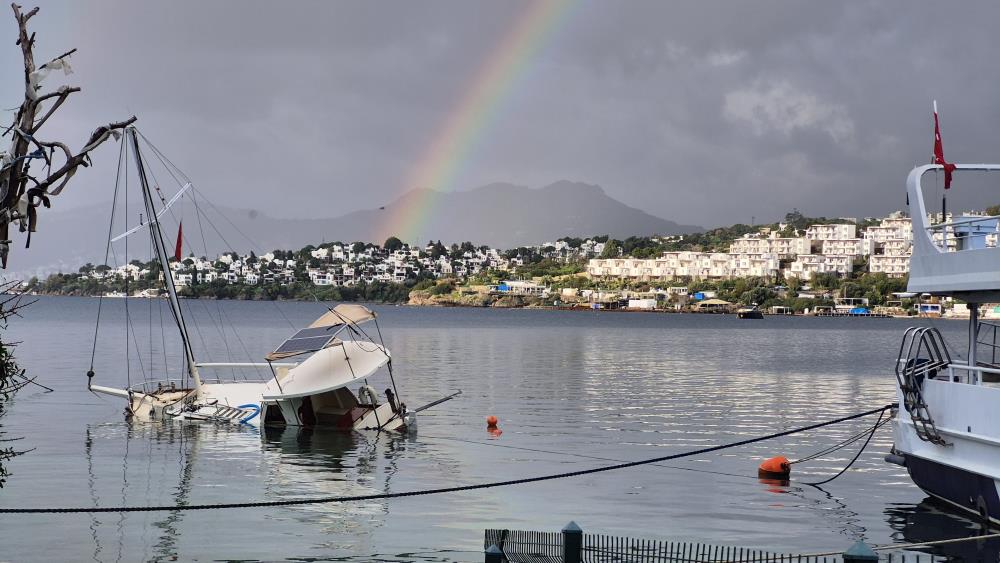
column 775, row 468
column 491, row 421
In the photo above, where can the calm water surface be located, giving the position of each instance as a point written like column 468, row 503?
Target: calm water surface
column 569, row 388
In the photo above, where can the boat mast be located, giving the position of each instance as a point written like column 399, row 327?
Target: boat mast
column 161, row 253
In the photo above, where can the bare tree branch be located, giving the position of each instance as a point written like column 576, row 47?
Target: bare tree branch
column 62, row 93
column 18, row 202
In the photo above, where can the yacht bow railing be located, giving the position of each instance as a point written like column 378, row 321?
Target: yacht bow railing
column 952, row 257
column 178, row 384
column 967, row 233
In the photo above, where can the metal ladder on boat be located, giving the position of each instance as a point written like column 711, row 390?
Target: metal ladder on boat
column 225, row 413
column 213, row 412
column 922, row 354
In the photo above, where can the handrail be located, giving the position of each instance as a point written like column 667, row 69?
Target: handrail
column 981, row 339
column 145, row 386
column 965, row 221
column 246, row 364
column 922, row 352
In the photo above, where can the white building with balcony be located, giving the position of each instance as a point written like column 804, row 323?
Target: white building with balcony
column 806, row 266
column 895, row 266
column 749, row 244
column 835, row 231
column 848, row 247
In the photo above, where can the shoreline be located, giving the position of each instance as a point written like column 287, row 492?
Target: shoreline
column 452, row 304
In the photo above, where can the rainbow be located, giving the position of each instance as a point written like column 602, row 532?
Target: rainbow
column 468, row 124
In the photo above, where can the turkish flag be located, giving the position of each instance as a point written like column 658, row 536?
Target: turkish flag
column 939, row 152
column 180, row 237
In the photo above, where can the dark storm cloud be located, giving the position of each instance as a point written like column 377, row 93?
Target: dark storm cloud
column 701, row 112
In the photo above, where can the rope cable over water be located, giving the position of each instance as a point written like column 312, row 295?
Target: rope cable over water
column 864, row 446
column 842, row 444
column 443, row 490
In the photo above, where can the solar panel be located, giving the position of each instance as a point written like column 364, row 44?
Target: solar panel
column 303, row 344
column 308, row 332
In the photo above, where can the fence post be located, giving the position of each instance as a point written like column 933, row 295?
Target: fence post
column 572, row 543
column 860, row 553
column 494, row 554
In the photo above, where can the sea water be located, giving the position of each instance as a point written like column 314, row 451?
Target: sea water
column 572, row 390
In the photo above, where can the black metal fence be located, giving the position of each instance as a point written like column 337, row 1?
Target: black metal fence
column 573, row 546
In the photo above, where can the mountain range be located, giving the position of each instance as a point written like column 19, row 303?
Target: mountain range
column 499, row 215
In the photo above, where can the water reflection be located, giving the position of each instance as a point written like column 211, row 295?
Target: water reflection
column 176, row 464
column 930, row 521
column 832, row 509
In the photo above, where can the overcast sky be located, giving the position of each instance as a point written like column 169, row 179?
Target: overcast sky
column 699, row 112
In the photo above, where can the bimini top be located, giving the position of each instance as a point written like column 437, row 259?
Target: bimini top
column 948, row 258
column 344, row 314
column 322, row 333
column 347, row 363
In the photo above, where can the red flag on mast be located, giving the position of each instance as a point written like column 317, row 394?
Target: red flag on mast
column 939, row 151
column 180, row 237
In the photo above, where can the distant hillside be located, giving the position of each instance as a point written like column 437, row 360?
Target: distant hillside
column 506, row 216
column 499, row 215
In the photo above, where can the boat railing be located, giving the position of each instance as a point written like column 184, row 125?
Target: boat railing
column 152, row 386
column 952, row 257
column 987, row 345
column 181, row 384
column 965, row 233
column 230, row 365
column 973, row 375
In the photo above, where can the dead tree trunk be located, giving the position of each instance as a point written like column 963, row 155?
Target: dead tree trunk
column 23, row 189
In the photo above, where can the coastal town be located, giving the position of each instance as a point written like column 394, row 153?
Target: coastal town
column 793, row 266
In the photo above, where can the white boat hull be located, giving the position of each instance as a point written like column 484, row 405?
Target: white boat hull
column 966, row 472
column 243, row 403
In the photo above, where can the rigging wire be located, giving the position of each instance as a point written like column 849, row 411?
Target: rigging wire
column 128, row 363
column 444, row 490
column 107, row 251
column 242, row 345
column 170, row 167
column 218, row 327
column 178, row 176
column 199, row 213
column 163, row 341
column 135, row 342
column 204, row 244
column 168, row 164
column 157, row 235
column 152, row 362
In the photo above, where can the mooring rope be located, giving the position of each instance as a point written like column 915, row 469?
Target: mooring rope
column 442, row 490
column 936, row 542
column 842, row 444
column 864, row 446
column 886, row 547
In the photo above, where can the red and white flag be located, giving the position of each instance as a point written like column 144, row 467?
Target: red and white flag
column 939, row 151
column 180, row 237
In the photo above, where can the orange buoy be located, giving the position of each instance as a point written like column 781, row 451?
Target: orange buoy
column 494, row 431
column 776, row 467
column 491, row 421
